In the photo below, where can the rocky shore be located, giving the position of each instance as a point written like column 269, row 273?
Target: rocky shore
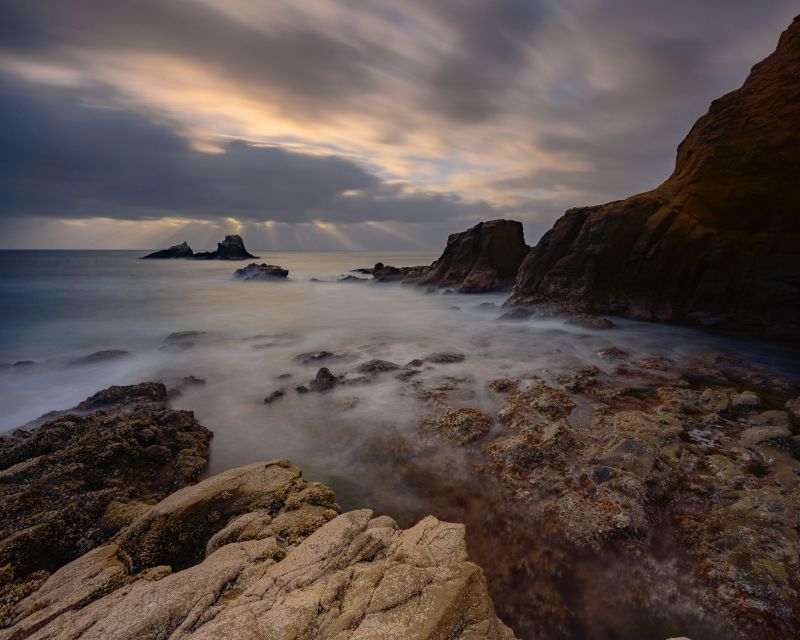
column 253, row 552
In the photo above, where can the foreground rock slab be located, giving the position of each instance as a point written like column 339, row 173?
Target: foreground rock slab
column 256, row 553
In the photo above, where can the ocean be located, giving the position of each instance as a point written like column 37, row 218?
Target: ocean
column 59, row 306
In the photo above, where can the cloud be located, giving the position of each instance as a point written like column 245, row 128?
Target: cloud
column 354, row 110
column 65, row 158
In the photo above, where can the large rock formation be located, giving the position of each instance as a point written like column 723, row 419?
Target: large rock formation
column 72, row 482
column 257, row 552
column 483, row 258
column 718, row 243
column 231, row 248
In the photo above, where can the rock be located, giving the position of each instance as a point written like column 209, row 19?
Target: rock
column 275, row 395
column 793, row 407
column 503, row 385
column 257, row 549
column 182, row 250
column 312, row 357
column 351, row 278
column 515, row 451
column 231, row 248
column 262, row 271
column 377, row 366
column 756, row 435
column 385, row 273
column 24, row 363
column 590, row 322
column 460, row 426
column 745, row 400
column 101, row 356
column 177, row 386
column 121, row 446
column 518, row 313
column 484, row 258
column 445, row 357
column 324, row 381
column 716, row 400
column 612, row 353
column 717, row 244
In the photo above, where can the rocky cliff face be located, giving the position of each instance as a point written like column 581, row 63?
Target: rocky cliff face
column 258, row 552
column 485, row 257
column 718, row 243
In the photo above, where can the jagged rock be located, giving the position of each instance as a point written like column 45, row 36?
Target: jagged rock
column 483, row 258
column 258, row 552
column 182, row 250
column 231, row 248
column 255, row 271
column 717, row 244
column 275, row 395
column 445, row 357
column 121, row 446
column 324, row 380
column 377, row 366
column 351, row 278
column 312, row 357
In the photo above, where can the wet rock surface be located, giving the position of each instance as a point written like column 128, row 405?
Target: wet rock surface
column 254, row 271
column 70, row 483
column 717, row 243
column 259, row 552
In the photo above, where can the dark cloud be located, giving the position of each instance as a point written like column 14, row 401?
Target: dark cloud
column 469, row 83
column 63, row 157
column 308, row 66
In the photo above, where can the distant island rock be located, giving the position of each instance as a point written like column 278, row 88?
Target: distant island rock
column 255, row 271
column 231, row 248
column 717, row 244
column 182, row 250
column 483, row 258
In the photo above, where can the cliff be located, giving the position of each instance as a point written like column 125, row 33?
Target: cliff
column 717, row 244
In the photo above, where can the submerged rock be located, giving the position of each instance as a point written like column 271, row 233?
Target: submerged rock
column 324, row 380
column 385, row 273
column 255, row 271
column 258, row 548
column 182, row 250
column 717, row 244
column 101, row 356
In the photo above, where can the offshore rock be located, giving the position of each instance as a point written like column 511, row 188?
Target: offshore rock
column 717, row 244
column 231, row 248
column 182, row 250
column 254, row 271
column 257, row 552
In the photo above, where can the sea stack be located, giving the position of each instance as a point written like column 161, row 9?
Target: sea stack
column 717, row 244
column 231, row 248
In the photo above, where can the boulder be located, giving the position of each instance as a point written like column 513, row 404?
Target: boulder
column 717, row 244
column 182, row 250
column 255, row 271
column 483, row 258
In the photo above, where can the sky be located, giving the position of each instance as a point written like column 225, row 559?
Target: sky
column 347, row 124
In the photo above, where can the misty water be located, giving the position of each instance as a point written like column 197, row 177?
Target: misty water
column 57, row 306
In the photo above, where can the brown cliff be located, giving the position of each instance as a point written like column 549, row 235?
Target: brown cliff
column 717, row 244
